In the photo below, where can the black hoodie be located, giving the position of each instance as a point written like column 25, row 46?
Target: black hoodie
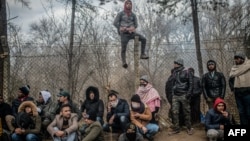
column 96, row 105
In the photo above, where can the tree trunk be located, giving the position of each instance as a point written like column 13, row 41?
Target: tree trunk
column 4, row 52
column 70, row 51
column 197, row 35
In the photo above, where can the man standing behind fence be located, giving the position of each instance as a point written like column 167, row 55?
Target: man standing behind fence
column 126, row 24
column 239, row 75
column 213, row 84
column 182, row 91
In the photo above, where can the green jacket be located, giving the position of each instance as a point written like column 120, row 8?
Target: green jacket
column 93, row 132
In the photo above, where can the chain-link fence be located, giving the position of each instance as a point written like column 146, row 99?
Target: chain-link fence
column 101, row 66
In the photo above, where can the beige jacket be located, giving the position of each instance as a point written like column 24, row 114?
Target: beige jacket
column 241, row 73
column 58, row 122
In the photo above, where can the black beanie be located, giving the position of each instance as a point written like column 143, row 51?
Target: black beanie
column 25, row 89
column 136, row 98
column 91, row 115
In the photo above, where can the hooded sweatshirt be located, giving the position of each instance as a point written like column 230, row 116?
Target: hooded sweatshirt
column 214, row 118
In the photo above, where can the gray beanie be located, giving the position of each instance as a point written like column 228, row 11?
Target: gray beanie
column 240, row 55
column 179, row 61
column 144, row 77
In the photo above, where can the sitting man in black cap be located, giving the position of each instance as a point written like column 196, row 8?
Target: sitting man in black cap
column 94, row 131
column 117, row 113
column 22, row 95
column 131, row 134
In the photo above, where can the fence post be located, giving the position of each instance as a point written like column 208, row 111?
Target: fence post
column 136, row 62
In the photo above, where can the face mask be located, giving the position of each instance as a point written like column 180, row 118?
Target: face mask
column 135, row 105
column 114, row 104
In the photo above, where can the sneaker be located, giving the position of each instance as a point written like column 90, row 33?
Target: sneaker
column 190, row 131
column 149, row 138
column 125, row 65
column 144, row 56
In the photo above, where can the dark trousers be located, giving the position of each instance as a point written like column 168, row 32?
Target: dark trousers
column 242, row 99
column 125, row 37
column 195, row 109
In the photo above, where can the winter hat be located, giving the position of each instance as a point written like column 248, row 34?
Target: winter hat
column 91, row 116
column 46, row 95
column 25, row 89
column 211, row 62
column 136, row 98
column 240, row 55
column 144, row 77
column 179, row 61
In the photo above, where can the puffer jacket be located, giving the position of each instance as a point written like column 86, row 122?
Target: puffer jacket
column 96, row 105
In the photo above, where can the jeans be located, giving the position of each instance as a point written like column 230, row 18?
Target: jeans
column 119, row 124
column 100, row 120
column 27, row 137
column 243, row 105
column 70, row 137
column 152, row 129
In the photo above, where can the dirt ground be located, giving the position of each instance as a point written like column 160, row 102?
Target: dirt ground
column 199, row 135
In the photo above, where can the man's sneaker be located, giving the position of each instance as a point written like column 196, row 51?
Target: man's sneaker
column 190, row 131
column 125, row 65
column 173, row 132
column 144, row 56
column 149, row 138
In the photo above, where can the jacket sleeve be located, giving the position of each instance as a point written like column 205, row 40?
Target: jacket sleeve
column 223, row 82
column 203, row 86
column 37, row 128
column 51, row 126
column 146, row 115
column 136, row 21
column 74, row 126
column 190, row 82
column 209, row 123
column 100, row 109
column 126, row 110
column 94, row 132
column 135, row 121
column 116, row 22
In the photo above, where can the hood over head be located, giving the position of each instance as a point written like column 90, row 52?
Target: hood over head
column 218, row 101
column 46, row 96
column 25, row 104
column 209, row 62
column 94, row 90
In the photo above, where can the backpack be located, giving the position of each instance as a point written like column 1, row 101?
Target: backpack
column 24, row 120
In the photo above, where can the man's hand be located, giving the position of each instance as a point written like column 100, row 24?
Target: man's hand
column 137, row 115
column 144, row 129
column 111, row 120
column 18, row 131
column 123, row 29
column 222, row 127
column 131, row 29
column 224, row 113
column 59, row 133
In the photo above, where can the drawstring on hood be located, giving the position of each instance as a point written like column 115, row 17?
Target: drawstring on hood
column 127, row 11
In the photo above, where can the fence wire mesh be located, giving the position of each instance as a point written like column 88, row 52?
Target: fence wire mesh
column 101, row 66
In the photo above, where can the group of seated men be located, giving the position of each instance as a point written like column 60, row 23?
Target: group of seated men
column 26, row 118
